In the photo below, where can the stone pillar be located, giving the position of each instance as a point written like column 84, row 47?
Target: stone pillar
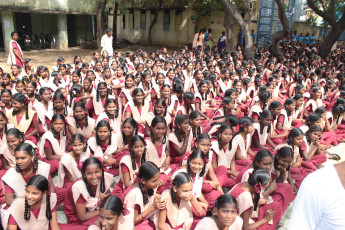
column 62, row 32
column 7, row 18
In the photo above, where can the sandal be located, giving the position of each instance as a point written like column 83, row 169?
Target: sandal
column 334, row 156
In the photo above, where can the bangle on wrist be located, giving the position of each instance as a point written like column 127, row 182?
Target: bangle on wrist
column 142, row 216
column 199, row 210
column 270, row 189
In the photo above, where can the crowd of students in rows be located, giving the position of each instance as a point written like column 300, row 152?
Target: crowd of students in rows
column 200, row 139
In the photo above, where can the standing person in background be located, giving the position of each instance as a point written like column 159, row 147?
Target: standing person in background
column 199, row 38
column 222, row 42
column 320, row 200
column 107, row 42
column 209, row 38
column 253, row 35
column 240, row 38
column 294, row 36
column 15, row 56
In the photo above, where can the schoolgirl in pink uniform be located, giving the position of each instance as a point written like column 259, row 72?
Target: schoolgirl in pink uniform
column 247, row 195
column 23, row 118
column 80, row 122
column 53, row 143
column 83, row 197
column 142, row 201
column 38, row 205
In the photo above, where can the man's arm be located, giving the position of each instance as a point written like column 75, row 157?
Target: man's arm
column 308, row 206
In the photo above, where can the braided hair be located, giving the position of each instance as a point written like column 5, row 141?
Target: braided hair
column 177, row 87
column 295, row 132
column 134, row 124
column 188, row 97
column 155, row 121
column 77, row 137
column 226, row 101
column 180, row 179
column 41, row 92
column 261, row 176
column 264, row 96
column 75, row 89
column 288, row 101
column 103, row 123
column 314, row 128
column 135, row 139
column 264, row 114
column 146, row 172
column 59, row 96
column 41, row 183
column 87, row 162
column 81, row 105
column 196, row 154
column 111, row 101
column 179, row 119
column 194, row 115
column 28, row 149
column 245, row 122
column 274, row 105
column 204, row 95
column 19, row 97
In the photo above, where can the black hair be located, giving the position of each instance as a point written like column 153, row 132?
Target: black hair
column 223, row 200
column 134, row 139
column 133, row 123
column 188, row 96
column 284, row 152
column 260, row 155
column 87, row 162
column 259, row 176
column 135, row 92
column 320, row 110
column 78, row 137
column 196, row 154
column 156, row 120
column 41, row 183
column 193, row 115
column 244, row 121
column 25, row 147
column 59, row 116
column 112, row 203
column 21, row 99
column 180, row 179
column 221, row 129
column 160, row 101
column 264, row 114
column 103, row 123
column 312, row 118
column 59, row 96
column 5, row 117
column 109, row 101
column 288, row 101
column 179, row 119
column 146, row 172
column 314, row 128
column 274, row 105
column 81, row 105
column 75, row 89
column 102, row 83
column 264, row 96
column 295, row 132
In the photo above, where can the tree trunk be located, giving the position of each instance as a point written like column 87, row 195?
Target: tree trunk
column 245, row 25
column 116, row 7
column 279, row 35
column 230, row 44
column 325, row 31
column 154, row 20
column 100, row 6
column 331, row 38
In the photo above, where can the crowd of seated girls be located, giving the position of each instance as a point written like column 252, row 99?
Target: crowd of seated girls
column 200, row 139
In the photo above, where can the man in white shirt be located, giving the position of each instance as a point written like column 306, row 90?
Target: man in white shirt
column 107, row 42
column 320, row 201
